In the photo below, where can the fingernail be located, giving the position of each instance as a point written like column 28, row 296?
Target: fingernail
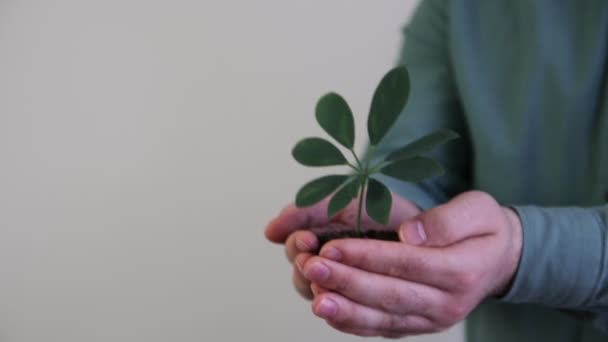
column 327, row 308
column 413, row 233
column 317, row 272
column 299, row 265
column 301, row 245
column 331, row 253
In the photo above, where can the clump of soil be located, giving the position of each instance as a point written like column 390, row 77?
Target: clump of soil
column 336, row 231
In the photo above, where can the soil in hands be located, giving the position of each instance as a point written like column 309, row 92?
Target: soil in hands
column 336, row 231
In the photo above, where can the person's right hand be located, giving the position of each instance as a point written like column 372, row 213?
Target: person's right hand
column 291, row 227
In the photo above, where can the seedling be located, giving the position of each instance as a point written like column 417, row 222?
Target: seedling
column 406, row 163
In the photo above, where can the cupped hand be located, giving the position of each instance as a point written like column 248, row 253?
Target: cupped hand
column 450, row 259
column 291, row 226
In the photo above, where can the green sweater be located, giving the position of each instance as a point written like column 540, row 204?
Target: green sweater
column 525, row 83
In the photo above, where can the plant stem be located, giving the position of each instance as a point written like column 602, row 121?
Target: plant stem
column 353, row 167
column 364, row 177
column 372, row 149
column 356, row 159
column 360, row 209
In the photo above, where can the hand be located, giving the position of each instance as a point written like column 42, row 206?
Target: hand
column 450, row 259
column 290, row 228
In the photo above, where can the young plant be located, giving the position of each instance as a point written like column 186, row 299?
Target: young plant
column 406, row 163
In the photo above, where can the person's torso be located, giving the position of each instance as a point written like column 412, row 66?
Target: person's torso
column 534, row 89
column 532, row 78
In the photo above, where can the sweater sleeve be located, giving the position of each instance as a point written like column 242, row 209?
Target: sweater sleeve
column 433, row 104
column 564, row 262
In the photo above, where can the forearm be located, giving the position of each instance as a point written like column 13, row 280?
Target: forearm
column 564, row 262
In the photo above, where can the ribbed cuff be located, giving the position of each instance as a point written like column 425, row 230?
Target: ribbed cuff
column 562, row 263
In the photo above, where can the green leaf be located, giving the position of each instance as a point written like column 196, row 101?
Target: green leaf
column 388, row 101
column 343, row 197
column 423, row 145
column 414, row 169
column 336, row 118
column 316, row 190
column 378, row 201
column 317, row 152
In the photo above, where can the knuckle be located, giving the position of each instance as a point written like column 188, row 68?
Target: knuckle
column 437, row 223
column 401, row 268
column 403, row 300
column 393, row 300
column 396, row 322
column 407, row 265
column 477, row 198
column 478, row 194
column 340, row 281
column 398, row 270
column 465, row 280
column 362, row 257
column 454, row 312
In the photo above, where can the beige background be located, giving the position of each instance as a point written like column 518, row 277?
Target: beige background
column 143, row 146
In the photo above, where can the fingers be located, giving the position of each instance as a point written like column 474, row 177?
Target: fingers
column 317, row 289
column 293, row 218
column 463, row 217
column 373, row 290
column 394, row 259
column 302, row 241
column 354, row 318
column 301, row 284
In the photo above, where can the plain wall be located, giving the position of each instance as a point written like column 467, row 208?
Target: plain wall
column 144, row 144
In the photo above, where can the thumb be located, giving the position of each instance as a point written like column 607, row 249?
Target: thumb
column 465, row 216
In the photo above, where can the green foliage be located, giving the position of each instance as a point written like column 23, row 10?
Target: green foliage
column 343, row 197
column 317, row 152
column 388, row 101
column 414, row 169
column 316, row 190
column 336, row 118
column 406, row 163
column 378, row 201
column 423, row 145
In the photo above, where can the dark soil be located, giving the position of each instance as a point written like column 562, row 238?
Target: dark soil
column 334, row 232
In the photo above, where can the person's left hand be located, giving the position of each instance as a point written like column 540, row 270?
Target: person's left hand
column 450, row 258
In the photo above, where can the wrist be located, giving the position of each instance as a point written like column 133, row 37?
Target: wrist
column 514, row 236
